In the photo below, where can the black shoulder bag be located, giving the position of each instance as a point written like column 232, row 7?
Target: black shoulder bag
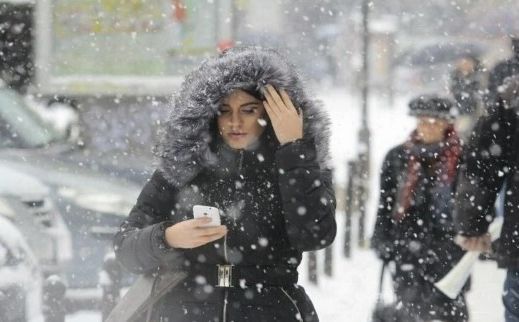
column 137, row 304
column 384, row 312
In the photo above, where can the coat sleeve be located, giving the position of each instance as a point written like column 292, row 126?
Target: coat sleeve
column 381, row 240
column 307, row 196
column 496, row 77
column 486, row 164
column 140, row 244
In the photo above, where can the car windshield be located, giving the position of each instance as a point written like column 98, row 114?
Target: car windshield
column 20, row 127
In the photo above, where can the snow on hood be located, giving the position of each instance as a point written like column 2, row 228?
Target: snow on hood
column 184, row 146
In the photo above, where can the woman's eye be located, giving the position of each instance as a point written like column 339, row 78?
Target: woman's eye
column 223, row 111
column 250, row 110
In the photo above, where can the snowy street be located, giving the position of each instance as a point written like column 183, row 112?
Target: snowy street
column 351, row 294
column 182, row 136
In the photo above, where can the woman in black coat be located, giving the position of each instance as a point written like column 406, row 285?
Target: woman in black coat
column 414, row 226
column 242, row 137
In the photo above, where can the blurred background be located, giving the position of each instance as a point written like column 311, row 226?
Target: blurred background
column 85, row 86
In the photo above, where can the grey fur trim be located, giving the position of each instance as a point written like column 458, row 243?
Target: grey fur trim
column 183, row 149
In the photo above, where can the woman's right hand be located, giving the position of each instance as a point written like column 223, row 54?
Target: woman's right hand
column 192, row 233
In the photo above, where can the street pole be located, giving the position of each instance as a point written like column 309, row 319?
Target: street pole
column 328, row 261
column 312, row 267
column 235, row 22
column 364, row 134
column 349, row 203
column 217, row 19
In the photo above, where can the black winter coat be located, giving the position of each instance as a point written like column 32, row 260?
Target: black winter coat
column 498, row 74
column 421, row 244
column 424, row 238
column 491, row 160
column 276, row 201
column 467, row 91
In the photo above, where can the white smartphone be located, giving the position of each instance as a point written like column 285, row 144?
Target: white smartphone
column 200, row 211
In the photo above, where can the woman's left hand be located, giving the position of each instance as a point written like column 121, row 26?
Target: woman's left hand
column 286, row 121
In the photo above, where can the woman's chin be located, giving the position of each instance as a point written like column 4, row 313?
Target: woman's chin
column 236, row 144
column 238, row 147
column 245, row 143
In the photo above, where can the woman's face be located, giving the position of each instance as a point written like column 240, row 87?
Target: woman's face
column 241, row 119
column 431, row 129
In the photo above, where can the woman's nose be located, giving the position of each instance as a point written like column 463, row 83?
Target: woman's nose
column 235, row 120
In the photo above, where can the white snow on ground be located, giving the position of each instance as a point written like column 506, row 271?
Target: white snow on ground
column 351, row 294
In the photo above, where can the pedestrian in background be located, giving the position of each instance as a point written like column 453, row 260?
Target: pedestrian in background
column 414, row 227
column 491, row 162
column 502, row 70
column 468, row 87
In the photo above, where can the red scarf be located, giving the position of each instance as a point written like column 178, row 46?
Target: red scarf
column 448, row 166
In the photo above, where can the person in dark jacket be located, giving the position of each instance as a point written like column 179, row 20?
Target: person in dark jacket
column 467, row 84
column 503, row 70
column 491, row 162
column 414, row 226
column 467, row 88
column 244, row 137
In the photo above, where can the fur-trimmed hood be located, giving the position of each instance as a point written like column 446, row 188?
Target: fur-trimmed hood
column 184, row 146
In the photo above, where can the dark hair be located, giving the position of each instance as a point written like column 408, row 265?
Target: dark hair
column 254, row 92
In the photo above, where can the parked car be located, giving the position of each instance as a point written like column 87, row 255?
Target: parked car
column 92, row 202
column 20, row 278
column 59, row 140
column 35, row 215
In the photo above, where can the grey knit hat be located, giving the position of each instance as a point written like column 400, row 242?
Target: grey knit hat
column 433, row 106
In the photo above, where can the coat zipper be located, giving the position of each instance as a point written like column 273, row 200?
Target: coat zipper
column 225, row 306
column 240, row 164
column 226, row 296
column 299, row 317
column 224, row 313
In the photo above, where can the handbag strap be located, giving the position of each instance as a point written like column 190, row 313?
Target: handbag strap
column 381, row 281
column 163, row 283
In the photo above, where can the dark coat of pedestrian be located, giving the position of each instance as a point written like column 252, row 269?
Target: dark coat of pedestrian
column 467, row 85
column 468, row 88
column 503, row 70
column 414, row 226
column 491, row 162
column 275, row 194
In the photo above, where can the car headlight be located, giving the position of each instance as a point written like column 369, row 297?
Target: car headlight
column 111, row 203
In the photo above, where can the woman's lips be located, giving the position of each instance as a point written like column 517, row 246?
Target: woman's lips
column 237, row 135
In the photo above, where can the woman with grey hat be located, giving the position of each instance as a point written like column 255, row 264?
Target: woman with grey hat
column 414, row 227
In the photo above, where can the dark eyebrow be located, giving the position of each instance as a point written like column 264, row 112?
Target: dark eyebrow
column 244, row 104
column 249, row 103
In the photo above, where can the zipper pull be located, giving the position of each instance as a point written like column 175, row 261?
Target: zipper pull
column 240, row 165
